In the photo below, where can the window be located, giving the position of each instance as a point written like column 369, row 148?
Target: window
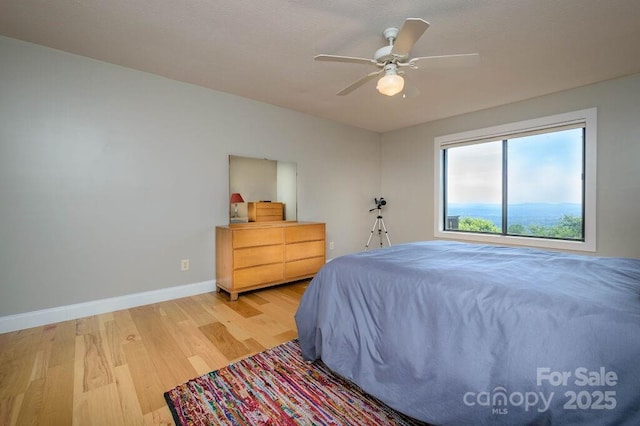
column 528, row 183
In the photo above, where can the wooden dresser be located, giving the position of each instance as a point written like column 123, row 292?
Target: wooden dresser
column 261, row 211
column 262, row 254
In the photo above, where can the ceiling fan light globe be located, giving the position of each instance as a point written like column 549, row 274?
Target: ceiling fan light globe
column 390, row 84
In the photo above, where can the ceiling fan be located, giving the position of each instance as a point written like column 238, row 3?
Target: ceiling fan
column 391, row 60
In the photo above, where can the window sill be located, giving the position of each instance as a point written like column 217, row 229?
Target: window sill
column 586, row 246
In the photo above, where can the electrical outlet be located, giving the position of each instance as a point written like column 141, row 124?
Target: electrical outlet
column 184, row 265
column 331, row 245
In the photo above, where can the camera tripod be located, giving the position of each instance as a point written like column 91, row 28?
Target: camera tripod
column 379, row 224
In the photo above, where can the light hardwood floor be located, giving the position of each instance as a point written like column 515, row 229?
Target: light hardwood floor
column 112, row 369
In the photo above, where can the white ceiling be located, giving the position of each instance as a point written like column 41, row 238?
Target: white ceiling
column 264, row 49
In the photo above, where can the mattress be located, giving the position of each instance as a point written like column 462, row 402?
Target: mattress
column 456, row 333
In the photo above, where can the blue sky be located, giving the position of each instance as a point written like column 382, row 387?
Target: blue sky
column 544, row 168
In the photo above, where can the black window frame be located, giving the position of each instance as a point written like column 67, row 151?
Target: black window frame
column 504, row 228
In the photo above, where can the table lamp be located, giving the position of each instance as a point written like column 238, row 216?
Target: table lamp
column 235, row 199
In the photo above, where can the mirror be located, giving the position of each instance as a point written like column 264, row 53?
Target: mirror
column 260, row 179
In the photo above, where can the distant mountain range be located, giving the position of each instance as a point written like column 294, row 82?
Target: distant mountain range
column 545, row 214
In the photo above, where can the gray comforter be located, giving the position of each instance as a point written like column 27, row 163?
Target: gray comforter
column 454, row 333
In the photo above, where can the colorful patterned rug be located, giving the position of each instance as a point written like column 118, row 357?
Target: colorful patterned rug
column 277, row 387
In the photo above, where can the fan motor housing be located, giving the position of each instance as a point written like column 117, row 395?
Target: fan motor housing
column 384, row 53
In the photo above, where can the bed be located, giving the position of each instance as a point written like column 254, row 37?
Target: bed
column 457, row 333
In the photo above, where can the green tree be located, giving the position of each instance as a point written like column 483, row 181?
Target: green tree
column 569, row 227
column 517, row 229
column 538, row 231
column 477, row 224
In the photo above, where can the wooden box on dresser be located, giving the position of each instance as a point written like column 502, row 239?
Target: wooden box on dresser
column 262, row 211
column 257, row 255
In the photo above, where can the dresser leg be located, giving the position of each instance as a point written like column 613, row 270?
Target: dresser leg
column 233, row 295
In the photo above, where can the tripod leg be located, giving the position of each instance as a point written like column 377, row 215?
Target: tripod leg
column 366, row 246
column 386, row 234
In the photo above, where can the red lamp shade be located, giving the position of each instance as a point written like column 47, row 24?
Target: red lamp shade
column 236, row 198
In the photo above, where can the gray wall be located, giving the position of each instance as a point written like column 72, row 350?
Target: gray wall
column 110, row 176
column 408, row 161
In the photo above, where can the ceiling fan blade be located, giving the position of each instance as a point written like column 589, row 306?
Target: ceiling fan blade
column 358, row 83
column 411, row 31
column 335, row 58
column 443, row 61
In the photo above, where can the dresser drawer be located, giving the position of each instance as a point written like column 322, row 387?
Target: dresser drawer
column 254, row 256
column 297, row 251
column 257, row 237
column 296, row 234
column 304, row 267
column 258, row 275
column 269, row 217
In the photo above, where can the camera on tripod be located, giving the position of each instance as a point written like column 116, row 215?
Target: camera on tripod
column 379, row 203
column 379, row 223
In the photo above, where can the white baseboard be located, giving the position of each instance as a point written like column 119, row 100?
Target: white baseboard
column 64, row 313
